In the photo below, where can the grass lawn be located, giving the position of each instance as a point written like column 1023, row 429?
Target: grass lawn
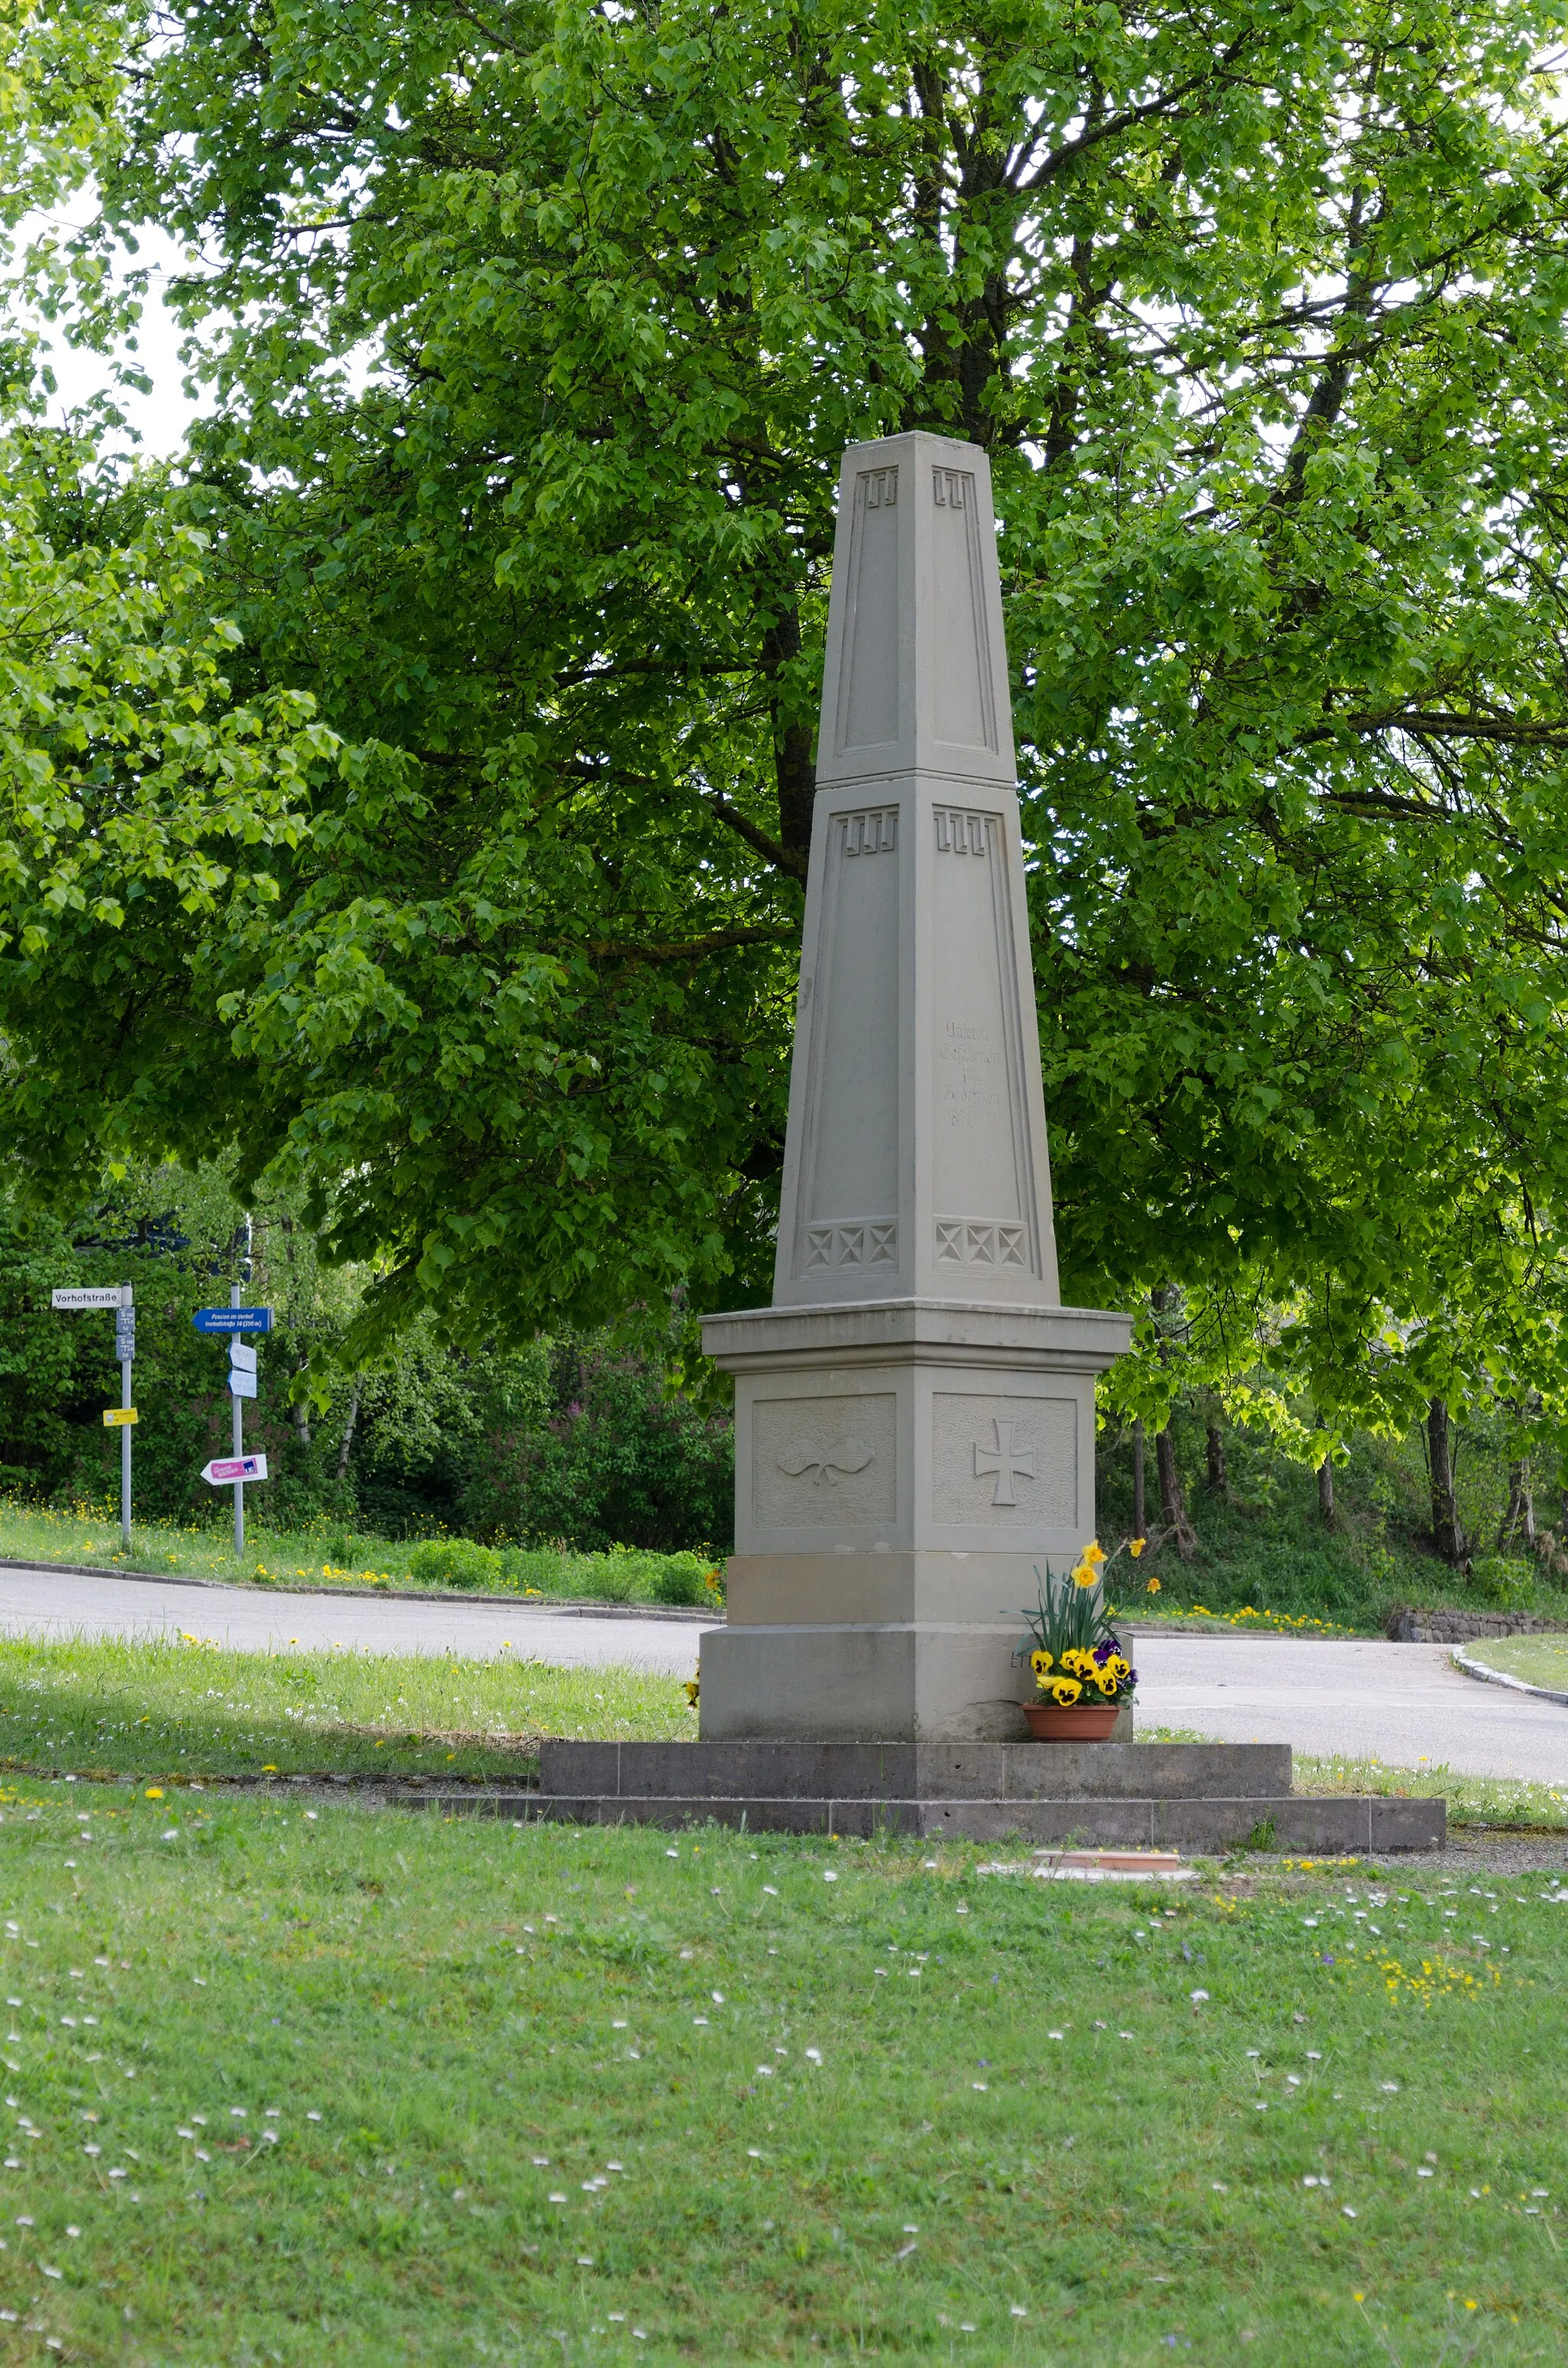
column 183, row 1709
column 184, row 1712
column 1540, row 1660
column 297, row 2084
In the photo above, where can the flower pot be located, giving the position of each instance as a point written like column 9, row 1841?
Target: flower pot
column 1084, row 1723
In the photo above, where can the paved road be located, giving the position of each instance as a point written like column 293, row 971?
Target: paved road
column 59, row 1603
column 1400, row 1703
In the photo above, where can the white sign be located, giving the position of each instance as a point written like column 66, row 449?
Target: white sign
column 107, row 1297
column 241, row 1385
column 226, row 1468
column 242, row 1356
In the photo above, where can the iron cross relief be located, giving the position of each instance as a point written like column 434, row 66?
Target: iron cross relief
column 1007, row 1459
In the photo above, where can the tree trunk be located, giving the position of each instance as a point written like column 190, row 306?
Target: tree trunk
column 794, row 772
column 346, row 1442
column 1140, row 1520
column 1325, row 1489
column 1448, row 1538
column 1519, row 1522
column 1172, row 1510
column 301, row 1409
column 1218, row 1478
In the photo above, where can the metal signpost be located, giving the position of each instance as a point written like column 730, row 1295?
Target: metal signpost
column 121, row 1417
column 243, row 1379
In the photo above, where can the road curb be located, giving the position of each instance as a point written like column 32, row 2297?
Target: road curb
column 1486, row 1677
column 557, row 1607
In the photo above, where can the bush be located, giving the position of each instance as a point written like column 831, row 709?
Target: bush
column 1506, row 1585
column 681, row 1578
column 454, row 1562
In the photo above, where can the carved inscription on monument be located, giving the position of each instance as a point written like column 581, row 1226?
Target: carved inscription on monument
column 819, row 1462
column 1004, row 1461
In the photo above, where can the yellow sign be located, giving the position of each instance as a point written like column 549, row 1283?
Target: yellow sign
column 115, row 1418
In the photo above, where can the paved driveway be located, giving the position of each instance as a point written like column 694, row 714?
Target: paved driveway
column 1400, row 1703
column 60, row 1603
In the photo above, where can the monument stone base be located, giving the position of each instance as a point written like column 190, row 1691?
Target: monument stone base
column 913, row 1682
column 1198, row 1796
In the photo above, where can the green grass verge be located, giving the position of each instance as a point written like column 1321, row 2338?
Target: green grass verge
column 324, row 1555
column 288, row 2085
column 184, row 1710
column 1539, row 1660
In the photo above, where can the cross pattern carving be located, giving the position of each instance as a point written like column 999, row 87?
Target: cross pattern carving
column 1008, row 1459
column 979, row 1241
column 869, row 1241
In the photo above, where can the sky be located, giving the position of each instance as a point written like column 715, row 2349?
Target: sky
column 162, row 418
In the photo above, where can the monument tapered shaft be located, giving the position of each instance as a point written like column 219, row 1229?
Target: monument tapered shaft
column 915, row 1418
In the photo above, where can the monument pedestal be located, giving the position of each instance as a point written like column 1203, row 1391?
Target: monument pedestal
column 902, row 1468
column 1185, row 1796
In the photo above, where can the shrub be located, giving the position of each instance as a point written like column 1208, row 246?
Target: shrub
column 454, row 1562
column 1501, row 1582
column 681, row 1578
column 611, row 1578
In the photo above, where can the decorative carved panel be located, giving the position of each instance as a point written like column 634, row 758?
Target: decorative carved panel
column 824, row 1461
column 1004, row 1461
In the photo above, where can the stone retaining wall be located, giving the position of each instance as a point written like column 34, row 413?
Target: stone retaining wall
column 1440, row 1627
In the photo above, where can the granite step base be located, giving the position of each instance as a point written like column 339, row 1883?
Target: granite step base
column 914, row 1771
column 1290, row 1821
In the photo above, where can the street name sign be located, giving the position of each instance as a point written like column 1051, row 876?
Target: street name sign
column 233, row 1319
column 226, row 1468
column 107, row 1295
column 115, row 1418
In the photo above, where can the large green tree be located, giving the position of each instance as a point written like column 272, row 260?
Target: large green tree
column 534, row 335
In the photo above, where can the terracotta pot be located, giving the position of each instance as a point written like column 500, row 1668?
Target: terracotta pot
column 1083, row 1723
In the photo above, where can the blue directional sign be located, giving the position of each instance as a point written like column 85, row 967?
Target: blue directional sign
column 233, row 1319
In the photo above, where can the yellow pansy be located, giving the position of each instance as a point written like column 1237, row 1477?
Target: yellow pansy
column 1105, row 1682
column 1117, row 1668
column 1041, row 1661
column 1064, row 1692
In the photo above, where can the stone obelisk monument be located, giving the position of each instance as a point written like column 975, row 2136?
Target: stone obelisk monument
column 915, row 1414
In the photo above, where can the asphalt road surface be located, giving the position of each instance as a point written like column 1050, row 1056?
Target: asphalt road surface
column 1400, row 1703
column 60, row 1603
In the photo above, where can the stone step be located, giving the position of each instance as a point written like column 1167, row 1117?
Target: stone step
column 815, row 1773
column 1290, row 1821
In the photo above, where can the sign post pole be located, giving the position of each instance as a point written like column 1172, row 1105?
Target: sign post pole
column 239, row 1406
column 125, row 1342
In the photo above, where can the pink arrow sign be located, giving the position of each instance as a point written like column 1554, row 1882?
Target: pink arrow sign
column 225, row 1468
